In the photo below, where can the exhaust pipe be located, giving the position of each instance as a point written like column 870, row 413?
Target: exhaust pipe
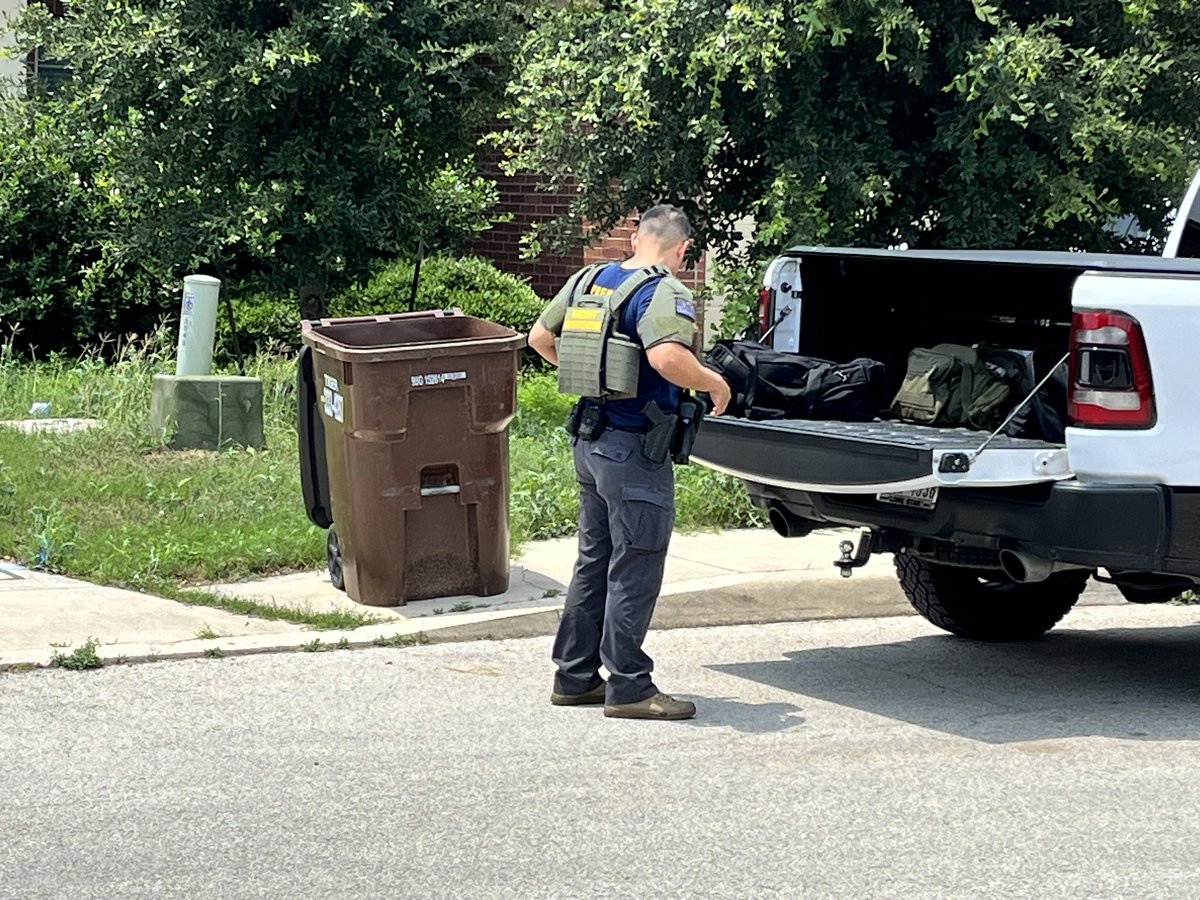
column 786, row 523
column 1025, row 568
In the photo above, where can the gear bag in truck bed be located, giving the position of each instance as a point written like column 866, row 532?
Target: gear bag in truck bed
column 959, row 386
column 768, row 384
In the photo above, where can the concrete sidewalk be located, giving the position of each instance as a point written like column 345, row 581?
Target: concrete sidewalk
column 719, row 578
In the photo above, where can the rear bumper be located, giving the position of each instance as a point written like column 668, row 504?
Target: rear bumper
column 1144, row 528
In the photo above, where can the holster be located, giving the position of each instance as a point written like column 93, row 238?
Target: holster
column 691, row 414
column 660, row 438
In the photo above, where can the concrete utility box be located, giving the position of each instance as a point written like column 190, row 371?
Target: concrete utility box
column 207, row 412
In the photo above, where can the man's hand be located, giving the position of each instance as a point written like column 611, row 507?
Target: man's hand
column 720, row 395
column 676, row 363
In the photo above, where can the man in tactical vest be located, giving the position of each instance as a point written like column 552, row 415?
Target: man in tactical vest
column 622, row 335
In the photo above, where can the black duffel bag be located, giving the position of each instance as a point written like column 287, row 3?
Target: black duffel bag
column 768, row 384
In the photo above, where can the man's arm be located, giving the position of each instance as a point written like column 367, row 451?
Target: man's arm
column 550, row 322
column 675, row 362
column 541, row 339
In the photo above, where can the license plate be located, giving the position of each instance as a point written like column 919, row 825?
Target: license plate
column 921, row 498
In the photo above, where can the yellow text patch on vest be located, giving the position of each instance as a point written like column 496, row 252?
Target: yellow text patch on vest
column 583, row 318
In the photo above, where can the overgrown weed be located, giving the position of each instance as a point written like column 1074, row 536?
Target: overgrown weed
column 83, row 657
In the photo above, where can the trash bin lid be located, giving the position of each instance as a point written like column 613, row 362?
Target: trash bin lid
column 408, row 335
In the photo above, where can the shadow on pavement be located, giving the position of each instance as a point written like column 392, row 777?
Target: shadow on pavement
column 1141, row 683
column 749, row 718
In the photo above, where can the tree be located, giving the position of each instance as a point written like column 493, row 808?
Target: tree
column 286, row 142
column 58, row 286
column 1018, row 123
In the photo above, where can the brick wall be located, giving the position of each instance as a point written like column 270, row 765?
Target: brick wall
column 501, row 243
column 520, row 196
column 616, row 246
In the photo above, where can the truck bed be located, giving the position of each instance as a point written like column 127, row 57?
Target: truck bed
column 865, row 457
column 851, row 302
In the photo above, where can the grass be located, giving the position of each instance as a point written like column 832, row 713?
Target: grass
column 336, row 620
column 402, row 640
column 110, row 506
column 316, row 645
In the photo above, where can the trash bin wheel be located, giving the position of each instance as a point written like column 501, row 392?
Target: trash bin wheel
column 333, row 559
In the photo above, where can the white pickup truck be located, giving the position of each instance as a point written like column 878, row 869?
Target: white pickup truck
column 995, row 537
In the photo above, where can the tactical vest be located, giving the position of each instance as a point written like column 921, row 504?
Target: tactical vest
column 594, row 359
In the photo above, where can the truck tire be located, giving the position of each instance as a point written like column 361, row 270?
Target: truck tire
column 986, row 606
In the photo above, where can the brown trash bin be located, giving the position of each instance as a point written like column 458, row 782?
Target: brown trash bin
column 415, row 410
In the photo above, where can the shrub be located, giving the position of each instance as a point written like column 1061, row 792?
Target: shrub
column 469, row 283
column 265, row 322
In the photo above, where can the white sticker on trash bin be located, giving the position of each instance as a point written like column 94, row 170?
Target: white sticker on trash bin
column 437, row 378
column 333, row 403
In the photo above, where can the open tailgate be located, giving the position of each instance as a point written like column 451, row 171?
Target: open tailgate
column 872, row 457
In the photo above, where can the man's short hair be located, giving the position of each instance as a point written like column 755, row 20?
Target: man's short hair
column 667, row 224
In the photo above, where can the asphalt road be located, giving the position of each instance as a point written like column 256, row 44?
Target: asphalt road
column 854, row 758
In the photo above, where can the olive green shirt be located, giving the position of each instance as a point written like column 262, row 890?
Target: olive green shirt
column 669, row 316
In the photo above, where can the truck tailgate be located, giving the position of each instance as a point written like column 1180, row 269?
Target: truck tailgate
column 868, row 457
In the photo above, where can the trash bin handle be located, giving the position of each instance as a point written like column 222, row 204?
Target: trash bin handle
column 394, row 317
column 441, row 489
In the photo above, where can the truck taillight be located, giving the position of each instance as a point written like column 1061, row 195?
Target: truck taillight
column 764, row 310
column 1109, row 374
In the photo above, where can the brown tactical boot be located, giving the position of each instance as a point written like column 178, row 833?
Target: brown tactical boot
column 594, row 697
column 660, row 706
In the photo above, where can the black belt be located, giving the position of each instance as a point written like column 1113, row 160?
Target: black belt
column 633, row 429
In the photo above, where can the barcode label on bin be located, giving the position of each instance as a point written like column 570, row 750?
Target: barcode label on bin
column 437, row 378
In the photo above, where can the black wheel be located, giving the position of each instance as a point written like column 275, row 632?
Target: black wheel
column 986, row 605
column 333, row 559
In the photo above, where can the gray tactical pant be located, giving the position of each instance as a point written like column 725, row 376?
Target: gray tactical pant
column 626, row 512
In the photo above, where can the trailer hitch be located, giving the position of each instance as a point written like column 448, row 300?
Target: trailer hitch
column 851, row 558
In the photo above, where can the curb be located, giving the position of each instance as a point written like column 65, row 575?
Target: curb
column 754, row 602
